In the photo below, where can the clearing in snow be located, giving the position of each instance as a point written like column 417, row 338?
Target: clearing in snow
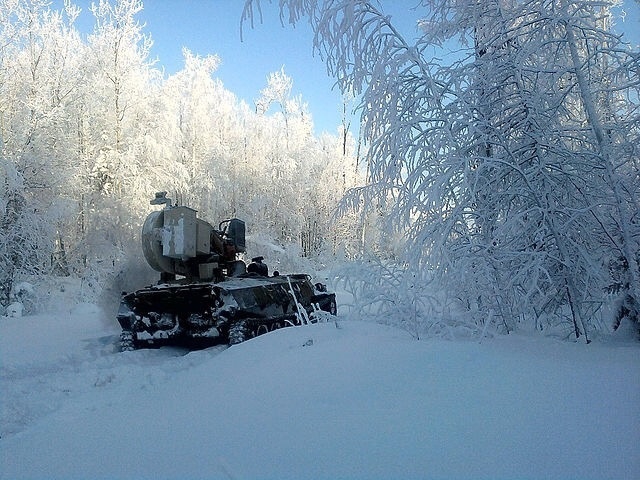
column 316, row 401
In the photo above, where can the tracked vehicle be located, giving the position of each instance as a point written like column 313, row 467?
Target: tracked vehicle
column 206, row 294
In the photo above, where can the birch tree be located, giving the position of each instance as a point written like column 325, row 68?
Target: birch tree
column 121, row 84
column 498, row 161
column 194, row 103
column 39, row 82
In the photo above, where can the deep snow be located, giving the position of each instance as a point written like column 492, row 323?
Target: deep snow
column 318, row 401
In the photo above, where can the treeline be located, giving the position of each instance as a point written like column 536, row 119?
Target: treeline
column 90, row 129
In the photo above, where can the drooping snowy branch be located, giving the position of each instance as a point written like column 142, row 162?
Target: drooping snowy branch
column 509, row 172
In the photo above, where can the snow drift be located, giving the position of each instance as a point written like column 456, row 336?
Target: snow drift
column 337, row 400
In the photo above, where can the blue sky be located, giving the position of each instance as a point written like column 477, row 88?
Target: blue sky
column 213, row 27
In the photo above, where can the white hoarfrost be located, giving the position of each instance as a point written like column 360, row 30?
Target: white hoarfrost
column 359, row 401
column 15, row 309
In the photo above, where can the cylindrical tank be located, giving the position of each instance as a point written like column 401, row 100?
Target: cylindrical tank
column 152, row 243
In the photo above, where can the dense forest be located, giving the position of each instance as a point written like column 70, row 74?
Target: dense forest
column 91, row 129
column 493, row 188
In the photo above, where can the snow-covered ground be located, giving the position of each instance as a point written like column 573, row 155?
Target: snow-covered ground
column 334, row 400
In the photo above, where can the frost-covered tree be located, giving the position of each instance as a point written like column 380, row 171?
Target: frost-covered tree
column 197, row 107
column 120, row 87
column 66, row 139
column 510, row 166
column 90, row 130
column 278, row 90
column 39, row 83
column 19, row 230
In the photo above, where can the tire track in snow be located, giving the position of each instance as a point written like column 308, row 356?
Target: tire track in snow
column 37, row 388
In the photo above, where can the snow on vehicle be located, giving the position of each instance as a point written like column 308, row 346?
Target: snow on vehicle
column 206, row 295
